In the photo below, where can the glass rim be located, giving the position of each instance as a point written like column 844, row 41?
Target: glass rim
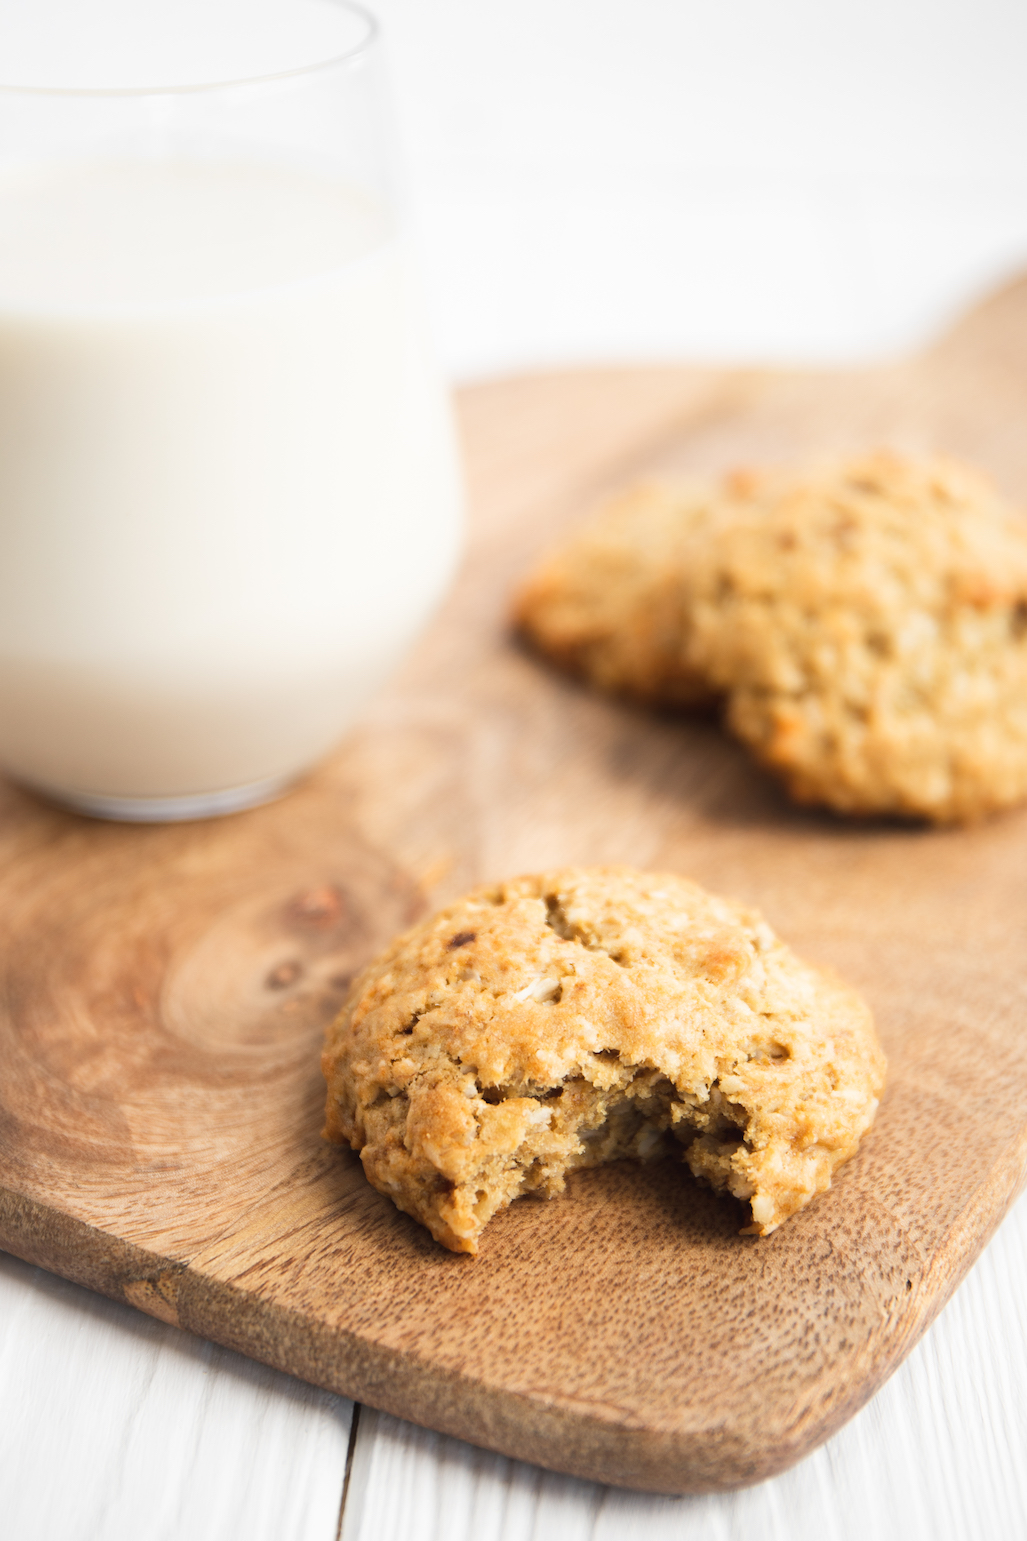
column 348, row 56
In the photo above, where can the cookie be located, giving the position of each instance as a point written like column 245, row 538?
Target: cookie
column 867, row 624
column 608, row 604
column 580, row 1016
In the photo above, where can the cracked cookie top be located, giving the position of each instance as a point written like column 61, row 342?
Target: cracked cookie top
column 563, row 1019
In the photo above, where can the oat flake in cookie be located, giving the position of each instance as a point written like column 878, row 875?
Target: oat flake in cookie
column 574, row 1017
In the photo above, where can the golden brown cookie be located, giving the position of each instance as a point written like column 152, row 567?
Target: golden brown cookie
column 868, row 625
column 608, row 604
column 571, row 1018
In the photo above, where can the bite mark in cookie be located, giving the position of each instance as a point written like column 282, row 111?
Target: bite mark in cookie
column 579, row 1016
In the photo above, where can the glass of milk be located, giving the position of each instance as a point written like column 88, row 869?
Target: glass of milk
column 229, row 497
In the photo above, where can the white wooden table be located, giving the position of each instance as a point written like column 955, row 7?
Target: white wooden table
column 113, row 1426
column 592, row 181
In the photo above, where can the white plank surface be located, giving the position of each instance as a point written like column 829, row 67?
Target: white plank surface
column 939, row 1455
column 113, row 1426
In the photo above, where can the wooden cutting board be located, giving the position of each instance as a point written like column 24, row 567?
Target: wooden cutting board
column 163, row 991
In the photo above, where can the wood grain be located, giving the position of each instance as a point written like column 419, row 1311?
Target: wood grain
column 938, row 1454
column 162, row 993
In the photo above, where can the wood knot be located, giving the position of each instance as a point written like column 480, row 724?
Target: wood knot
column 319, row 909
column 284, row 975
column 157, row 1297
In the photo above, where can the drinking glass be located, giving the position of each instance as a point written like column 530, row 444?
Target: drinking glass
column 229, row 496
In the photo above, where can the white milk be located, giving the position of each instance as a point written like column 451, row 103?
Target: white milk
column 228, row 496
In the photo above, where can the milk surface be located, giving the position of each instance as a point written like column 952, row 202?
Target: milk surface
column 228, row 489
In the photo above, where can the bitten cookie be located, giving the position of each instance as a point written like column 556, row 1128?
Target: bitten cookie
column 608, row 604
column 867, row 624
column 567, row 1019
